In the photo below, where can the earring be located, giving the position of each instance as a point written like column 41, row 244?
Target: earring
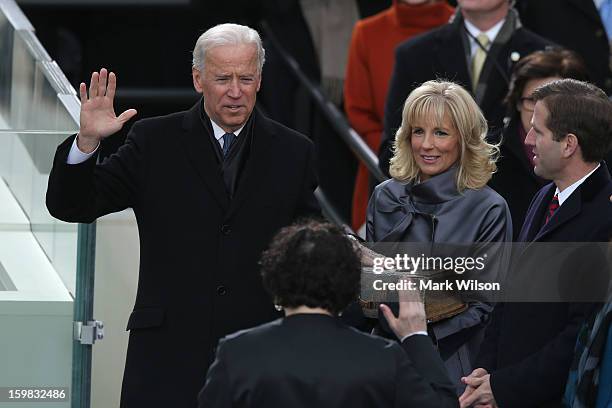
column 279, row 308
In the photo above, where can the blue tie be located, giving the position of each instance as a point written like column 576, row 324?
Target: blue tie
column 228, row 139
column 605, row 11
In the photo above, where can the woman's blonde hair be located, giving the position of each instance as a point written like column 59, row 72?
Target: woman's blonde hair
column 433, row 101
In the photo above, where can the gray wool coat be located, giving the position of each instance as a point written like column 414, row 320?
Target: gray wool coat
column 444, row 220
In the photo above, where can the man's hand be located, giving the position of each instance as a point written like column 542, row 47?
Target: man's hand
column 412, row 316
column 98, row 119
column 478, row 392
column 477, row 373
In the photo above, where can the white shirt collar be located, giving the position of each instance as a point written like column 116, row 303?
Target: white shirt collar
column 220, row 132
column 598, row 3
column 474, row 31
column 564, row 195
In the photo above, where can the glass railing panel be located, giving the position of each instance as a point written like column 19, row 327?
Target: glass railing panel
column 38, row 254
column 41, row 120
column 6, row 50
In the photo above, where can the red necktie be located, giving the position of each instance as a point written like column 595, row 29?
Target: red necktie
column 552, row 207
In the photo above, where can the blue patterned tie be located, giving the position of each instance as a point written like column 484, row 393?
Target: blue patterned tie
column 228, row 140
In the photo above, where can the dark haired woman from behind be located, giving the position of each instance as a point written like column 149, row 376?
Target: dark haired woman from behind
column 311, row 359
column 515, row 179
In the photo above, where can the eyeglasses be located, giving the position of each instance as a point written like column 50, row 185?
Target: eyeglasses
column 527, row 103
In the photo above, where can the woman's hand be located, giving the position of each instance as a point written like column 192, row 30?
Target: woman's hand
column 411, row 317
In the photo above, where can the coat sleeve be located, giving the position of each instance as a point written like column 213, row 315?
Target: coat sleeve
column 422, row 380
column 85, row 191
column 216, row 392
column 308, row 206
column 400, row 86
column 492, row 243
column 550, row 365
column 358, row 92
column 487, row 355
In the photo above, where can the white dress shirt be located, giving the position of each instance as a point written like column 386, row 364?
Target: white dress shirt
column 417, row 333
column 564, row 195
column 220, row 132
column 491, row 33
column 76, row 156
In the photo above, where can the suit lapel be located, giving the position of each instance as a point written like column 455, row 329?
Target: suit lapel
column 450, row 47
column 570, row 208
column 495, row 83
column 258, row 164
column 533, row 221
column 573, row 205
column 200, row 152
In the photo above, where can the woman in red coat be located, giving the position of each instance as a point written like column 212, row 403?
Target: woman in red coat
column 369, row 69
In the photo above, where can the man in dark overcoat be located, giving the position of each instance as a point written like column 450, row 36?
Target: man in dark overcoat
column 526, row 355
column 477, row 50
column 209, row 187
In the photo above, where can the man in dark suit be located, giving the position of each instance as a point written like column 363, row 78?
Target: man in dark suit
column 577, row 25
column 310, row 358
column 453, row 52
column 209, row 188
column 514, row 179
column 528, row 348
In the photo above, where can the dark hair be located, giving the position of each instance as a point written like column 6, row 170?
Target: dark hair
column 311, row 264
column 550, row 62
column 582, row 109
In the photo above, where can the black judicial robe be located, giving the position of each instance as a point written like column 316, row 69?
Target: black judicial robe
column 314, row 360
column 199, row 249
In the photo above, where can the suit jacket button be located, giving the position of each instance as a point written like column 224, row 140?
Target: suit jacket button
column 221, row 290
column 225, row 229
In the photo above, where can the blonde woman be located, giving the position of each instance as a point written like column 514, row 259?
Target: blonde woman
column 438, row 195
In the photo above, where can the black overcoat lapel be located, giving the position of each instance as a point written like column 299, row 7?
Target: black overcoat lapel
column 199, row 150
column 498, row 59
column 570, row 208
column 537, row 213
column 450, row 52
column 259, row 164
column 573, row 205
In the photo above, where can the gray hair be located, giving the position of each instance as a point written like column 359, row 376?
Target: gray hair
column 227, row 34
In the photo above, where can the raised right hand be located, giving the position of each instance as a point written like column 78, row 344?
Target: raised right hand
column 98, row 119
